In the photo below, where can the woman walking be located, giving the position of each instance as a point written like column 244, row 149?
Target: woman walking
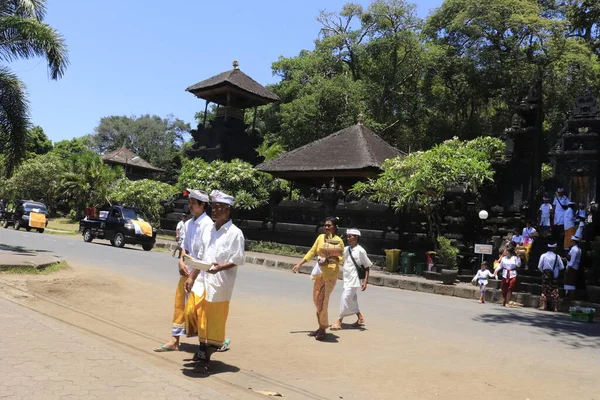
column 508, row 264
column 356, row 275
column 329, row 247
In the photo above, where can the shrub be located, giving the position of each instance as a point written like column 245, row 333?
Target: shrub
column 447, row 253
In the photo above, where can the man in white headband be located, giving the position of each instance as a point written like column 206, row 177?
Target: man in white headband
column 222, row 248
column 572, row 269
column 550, row 265
column 193, row 228
column 356, row 275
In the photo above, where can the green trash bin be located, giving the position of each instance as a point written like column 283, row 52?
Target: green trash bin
column 407, row 263
column 419, row 268
column 392, row 259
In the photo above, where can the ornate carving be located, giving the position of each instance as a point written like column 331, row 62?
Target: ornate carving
column 585, row 107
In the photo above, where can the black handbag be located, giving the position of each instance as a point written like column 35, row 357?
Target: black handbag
column 362, row 272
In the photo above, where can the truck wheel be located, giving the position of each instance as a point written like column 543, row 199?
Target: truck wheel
column 87, row 236
column 28, row 229
column 119, row 240
column 5, row 225
column 41, row 230
column 147, row 247
column 17, row 225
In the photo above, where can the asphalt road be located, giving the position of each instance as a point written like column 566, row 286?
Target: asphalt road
column 476, row 323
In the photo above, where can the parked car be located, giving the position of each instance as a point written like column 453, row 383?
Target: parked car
column 121, row 225
column 27, row 214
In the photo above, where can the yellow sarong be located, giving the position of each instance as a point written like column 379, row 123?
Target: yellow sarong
column 209, row 318
column 178, row 328
column 37, row 220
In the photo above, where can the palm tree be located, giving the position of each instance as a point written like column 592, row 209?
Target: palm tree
column 23, row 34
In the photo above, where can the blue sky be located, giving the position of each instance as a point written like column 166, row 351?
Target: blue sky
column 134, row 57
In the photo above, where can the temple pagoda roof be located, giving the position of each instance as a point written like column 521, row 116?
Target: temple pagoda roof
column 355, row 151
column 245, row 91
column 124, row 156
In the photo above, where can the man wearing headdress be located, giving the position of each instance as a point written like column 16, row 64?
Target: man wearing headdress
column 194, row 228
column 550, row 265
column 569, row 225
column 560, row 205
column 572, row 269
column 222, row 247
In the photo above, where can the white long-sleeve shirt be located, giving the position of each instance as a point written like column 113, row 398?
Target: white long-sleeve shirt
column 559, row 211
column 482, row 276
column 551, row 261
column 574, row 257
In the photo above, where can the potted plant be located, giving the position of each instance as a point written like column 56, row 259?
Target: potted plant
column 447, row 255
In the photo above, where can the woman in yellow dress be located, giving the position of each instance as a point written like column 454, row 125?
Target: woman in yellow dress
column 329, row 248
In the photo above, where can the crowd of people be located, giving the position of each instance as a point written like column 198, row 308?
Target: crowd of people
column 565, row 225
column 202, row 296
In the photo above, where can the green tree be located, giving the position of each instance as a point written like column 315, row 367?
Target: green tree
column 37, row 142
column 420, row 180
column 24, row 35
column 38, row 179
column 146, row 194
column 250, row 187
column 155, row 139
column 87, row 182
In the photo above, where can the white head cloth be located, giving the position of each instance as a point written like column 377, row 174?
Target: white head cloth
column 354, row 232
column 575, row 238
column 198, row 195
column 552, row 245
column 216, row 196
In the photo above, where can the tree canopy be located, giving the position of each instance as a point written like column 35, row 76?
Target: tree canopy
column 155, row 139
column 419, row 82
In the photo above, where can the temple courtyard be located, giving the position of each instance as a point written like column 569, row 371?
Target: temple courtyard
column 99, row 320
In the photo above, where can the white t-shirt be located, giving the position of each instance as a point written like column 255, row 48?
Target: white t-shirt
column 574, row 257
column 517, row 239
column 559, row 212
column 180, row 231
column 546, row 209
column 349, row 269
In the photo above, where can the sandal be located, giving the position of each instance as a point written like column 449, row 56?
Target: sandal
column 321, row 337
column 225, row 346
column 163, row 349
column 360, row 322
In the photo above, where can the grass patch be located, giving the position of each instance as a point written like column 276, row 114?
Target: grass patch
column 275, row 248
column 63, row 224
column 165, row 237
column 37, row 271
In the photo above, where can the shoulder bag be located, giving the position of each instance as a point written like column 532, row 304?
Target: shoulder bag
column 362, row 272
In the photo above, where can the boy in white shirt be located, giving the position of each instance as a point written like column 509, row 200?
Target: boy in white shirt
column 545, row 213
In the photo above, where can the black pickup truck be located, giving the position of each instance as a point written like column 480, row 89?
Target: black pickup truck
column 121, row 225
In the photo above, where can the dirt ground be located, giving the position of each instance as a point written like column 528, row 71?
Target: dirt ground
column 271, row 351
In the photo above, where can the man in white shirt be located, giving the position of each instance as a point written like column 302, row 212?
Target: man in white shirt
column 355, row 258
column 572, row 269
column 569, row 225
column 550, row 265
column 194, row 228
column 222, row 247
column 179, row 235
column 560, row 205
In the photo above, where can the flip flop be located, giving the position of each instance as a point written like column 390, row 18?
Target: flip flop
column 225, row 346
column 163, row 349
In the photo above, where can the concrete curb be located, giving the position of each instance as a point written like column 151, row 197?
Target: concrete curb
column 425, row 286
column 29, row 265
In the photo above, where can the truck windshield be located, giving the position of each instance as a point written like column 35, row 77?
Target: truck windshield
column 136, row 215
column 39, row 208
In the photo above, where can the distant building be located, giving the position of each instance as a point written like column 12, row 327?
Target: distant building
column 135, row 166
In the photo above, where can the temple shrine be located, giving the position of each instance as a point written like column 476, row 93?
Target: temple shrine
column 228, row 136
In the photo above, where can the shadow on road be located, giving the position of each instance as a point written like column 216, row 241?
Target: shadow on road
column 216, row 367
column 22, row 251
column 571, row 333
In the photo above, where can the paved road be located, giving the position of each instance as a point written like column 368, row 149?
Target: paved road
column 447, row 315
column 45, row 359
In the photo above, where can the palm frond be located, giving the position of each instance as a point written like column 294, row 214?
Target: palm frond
column 24, row 8
column 22, row 37
column 14, row 118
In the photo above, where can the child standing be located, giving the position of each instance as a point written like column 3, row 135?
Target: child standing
column 482, row 279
